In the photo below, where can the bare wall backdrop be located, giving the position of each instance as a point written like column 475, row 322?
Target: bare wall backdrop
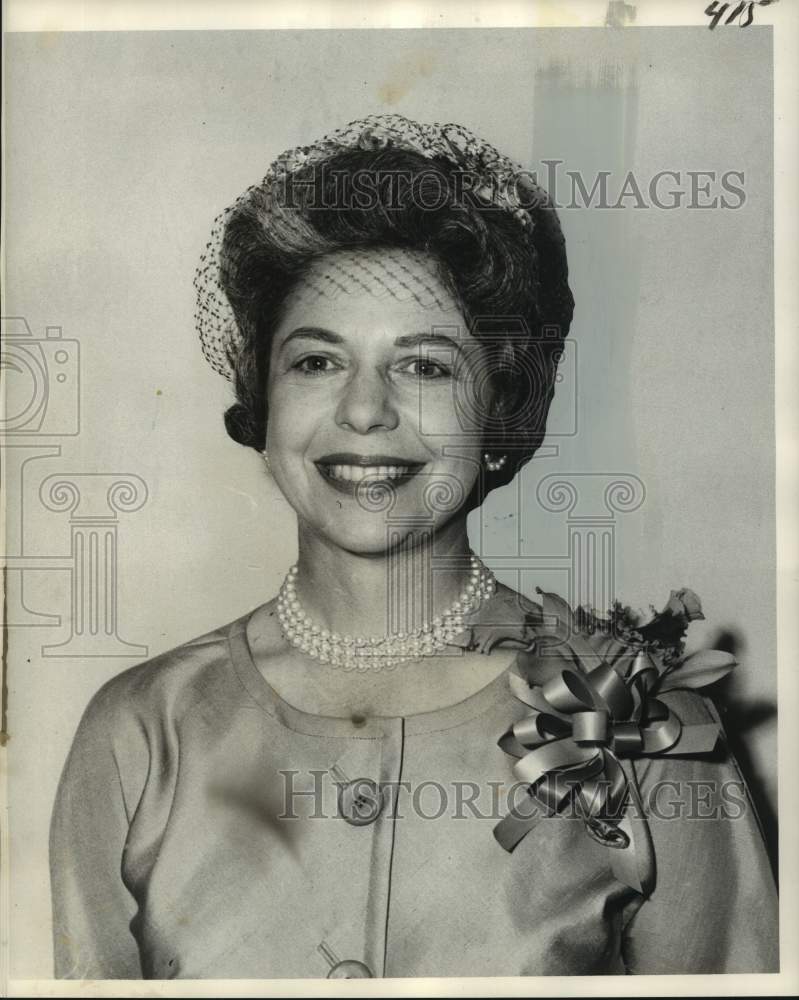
column 121, row 149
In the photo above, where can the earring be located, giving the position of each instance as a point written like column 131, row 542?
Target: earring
column 265, row 457
column 495, row 465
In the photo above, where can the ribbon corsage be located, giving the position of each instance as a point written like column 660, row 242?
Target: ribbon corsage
column 600, row 705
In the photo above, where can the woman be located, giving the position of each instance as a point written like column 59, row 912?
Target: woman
column 396, row 766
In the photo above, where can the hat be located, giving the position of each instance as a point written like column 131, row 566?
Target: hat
column 491, row 180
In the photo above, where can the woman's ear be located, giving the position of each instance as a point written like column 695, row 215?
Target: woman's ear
column 502, row 394
column 497, row 411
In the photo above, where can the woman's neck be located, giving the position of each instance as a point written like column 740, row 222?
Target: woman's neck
column 377, row 593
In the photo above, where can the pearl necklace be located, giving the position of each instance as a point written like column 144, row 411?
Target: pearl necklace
column 365, row 652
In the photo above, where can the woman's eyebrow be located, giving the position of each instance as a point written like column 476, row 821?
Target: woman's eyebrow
column 313, row 333
column 418, row 339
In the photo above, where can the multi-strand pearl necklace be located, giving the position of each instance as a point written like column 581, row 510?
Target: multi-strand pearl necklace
column 365, row 652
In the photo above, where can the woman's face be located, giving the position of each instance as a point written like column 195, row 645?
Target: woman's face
column 373, row 421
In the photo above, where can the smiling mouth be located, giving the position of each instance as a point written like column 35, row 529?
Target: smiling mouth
column 346, row 472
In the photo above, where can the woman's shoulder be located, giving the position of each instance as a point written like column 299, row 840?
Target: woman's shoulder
column 165, row 683
column 136, row 724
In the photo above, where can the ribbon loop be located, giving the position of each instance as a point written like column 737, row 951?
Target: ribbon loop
column 539, row 727
column 610, row 691
column 590, row 728
column 568, row 692
column 627, row 739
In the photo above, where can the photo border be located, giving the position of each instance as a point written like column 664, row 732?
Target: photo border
column 783, row 17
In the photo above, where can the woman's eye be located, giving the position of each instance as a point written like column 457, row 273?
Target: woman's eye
column 426, row 368
column 314, row 364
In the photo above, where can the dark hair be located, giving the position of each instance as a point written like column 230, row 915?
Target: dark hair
column 510, row 281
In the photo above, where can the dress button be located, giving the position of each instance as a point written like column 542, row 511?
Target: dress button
column 360, row 802
column 350, row 968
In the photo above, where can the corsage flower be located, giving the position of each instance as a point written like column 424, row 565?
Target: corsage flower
column 600, row 705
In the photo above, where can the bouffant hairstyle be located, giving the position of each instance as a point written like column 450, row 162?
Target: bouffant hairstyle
column 510, row 280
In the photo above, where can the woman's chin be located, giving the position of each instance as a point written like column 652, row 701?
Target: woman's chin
column 365, row 538
column 366, row 534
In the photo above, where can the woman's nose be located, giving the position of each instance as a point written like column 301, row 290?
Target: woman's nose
column 366, row 404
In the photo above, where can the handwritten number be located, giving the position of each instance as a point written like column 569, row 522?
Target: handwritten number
column 738, row 11
column 716, row 12
column 744, row 9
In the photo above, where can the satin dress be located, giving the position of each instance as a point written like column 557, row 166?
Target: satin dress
column 205, row 828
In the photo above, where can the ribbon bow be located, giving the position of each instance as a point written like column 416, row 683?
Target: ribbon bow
column 584, row 721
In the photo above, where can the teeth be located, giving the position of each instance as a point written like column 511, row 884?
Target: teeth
column 355, row 473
